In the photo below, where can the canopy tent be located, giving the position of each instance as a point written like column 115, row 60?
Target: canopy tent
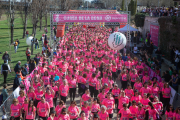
column 126, row 27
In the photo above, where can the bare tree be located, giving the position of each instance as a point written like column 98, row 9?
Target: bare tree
column 1, row 9
column 24, row 11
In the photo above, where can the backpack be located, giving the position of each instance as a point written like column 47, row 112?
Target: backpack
column 16, row 43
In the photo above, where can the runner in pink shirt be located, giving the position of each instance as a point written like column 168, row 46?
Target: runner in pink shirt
column 103, row 114
column 125, row 113
column 116, row 91
column 21, row 98
column 169, row 113
column 166, row 92
column 64, row 115
column 43, row 108
column 73, row 110
column 55, row 88
column 133, row 78
column 64, row 90
column 92, row 84
column 136, row 97
column 155, row 91
column 137, row 85
column 15, row 109
column 114, row 68
column 24, row 106
column 49, row 95
column 102, row 95
column 86, row 108
column 59, row 108
column 129, row 91
column 124, row 80
column 30, row 111
column 133, row 109
column 46, row 78
column 39, row 94
column 95, row 107
column 85, row 97
column 145, row 89
column 123, row 99
column 152, row 111
column 145, row 78
column 72, row 87
column 145, row 100
column 110, row 104
column 31, row 95
column 140, row 113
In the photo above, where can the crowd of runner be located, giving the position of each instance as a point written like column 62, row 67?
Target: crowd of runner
column 84, row 66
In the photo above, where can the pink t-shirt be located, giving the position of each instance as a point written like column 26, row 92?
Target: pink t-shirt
column 15, row 110
column 64, row 90
column 140, row 114
column 154, row 91
column 58, row 109
column 95, row 107
column 29, row 113
column 116, row 92
column 138, row 86
column 101, row 96
column 49, row 99
column 43, row 109
column 167, row 92
column 92, row 82
column 31, row 95
column 136, row 98
column 145, row 79
column 73, row 112
column 152, row 114
column 86, row 97
column 109, row 103
column 46, row 80
column 133, row 77
column 133, row 111
column 39, row 95
column 125, row 114
column 145, row 102
column 123, row 100
column 145, row 90
column 64, row 117
column 169, row 115
column 129, row 93
column 72, row 83
column 124, row 77
column 86, row 110
column 103, row 116
column 21, row 100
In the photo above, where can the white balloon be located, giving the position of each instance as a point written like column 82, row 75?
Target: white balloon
column 28, row 40
column 117, row 41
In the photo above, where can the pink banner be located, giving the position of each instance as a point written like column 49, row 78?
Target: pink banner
column 90, row 18
column 154, row 31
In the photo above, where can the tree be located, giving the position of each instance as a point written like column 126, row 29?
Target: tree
column 24, row 11
column 11, row 15
column 123, row 5
column 1, row 9
column 135, row 7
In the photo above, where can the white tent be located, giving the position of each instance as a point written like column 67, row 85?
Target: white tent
column 125, row 28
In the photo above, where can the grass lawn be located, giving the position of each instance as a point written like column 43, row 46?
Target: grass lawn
column 5, row 44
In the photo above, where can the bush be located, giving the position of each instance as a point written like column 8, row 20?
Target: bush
column 139, row 19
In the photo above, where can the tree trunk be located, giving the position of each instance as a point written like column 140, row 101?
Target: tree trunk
column 46, row 20
column 40, row 19
column 12, row 30
column 25, row 26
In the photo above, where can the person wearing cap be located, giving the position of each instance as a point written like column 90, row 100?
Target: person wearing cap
column 17, row 81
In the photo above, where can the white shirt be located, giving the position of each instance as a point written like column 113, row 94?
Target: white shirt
column 135, row 49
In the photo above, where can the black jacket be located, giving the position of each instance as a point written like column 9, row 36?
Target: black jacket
column 16, row 83
column 17, row 67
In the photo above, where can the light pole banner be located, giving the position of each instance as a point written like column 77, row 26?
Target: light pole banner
column 154, row 31
column 123, row 18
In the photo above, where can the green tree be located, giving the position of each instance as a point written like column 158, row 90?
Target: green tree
column 123, row 5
